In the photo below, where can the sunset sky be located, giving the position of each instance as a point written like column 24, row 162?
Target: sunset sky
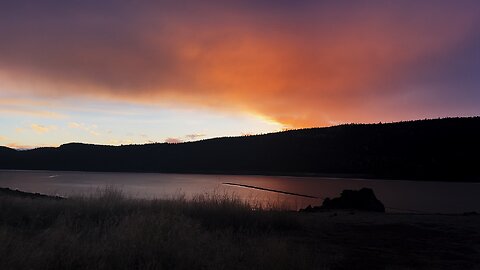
column 123, row 71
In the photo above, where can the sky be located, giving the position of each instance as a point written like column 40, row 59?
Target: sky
column 122, row 71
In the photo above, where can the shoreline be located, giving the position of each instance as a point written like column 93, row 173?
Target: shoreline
column 361, row 177
column 218, row 232
column 9, row 192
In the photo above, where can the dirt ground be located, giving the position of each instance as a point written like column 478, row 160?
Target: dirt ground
column 395, row 241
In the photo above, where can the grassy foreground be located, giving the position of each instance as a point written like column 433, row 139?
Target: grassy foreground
column 111, row 231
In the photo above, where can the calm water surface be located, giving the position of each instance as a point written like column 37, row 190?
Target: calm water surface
column 439, row 197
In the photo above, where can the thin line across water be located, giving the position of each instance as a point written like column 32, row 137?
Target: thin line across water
column 271, row 190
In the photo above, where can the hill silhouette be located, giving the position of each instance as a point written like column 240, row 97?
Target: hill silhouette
column 440, row 149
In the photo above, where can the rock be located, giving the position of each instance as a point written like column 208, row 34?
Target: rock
column 363, row 199
column 310, row 209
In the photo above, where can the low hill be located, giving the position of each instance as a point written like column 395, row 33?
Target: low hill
column 441, row 149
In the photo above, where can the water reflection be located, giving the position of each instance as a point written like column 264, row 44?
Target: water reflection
column 441, row 197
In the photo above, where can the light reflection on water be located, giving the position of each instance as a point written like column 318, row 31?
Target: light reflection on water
column 441, row 197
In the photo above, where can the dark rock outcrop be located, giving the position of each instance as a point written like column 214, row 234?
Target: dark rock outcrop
column 363, row 199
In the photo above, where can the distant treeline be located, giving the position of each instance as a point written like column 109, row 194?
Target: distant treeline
column 441, row 149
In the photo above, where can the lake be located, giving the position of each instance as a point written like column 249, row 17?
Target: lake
column 397, row 196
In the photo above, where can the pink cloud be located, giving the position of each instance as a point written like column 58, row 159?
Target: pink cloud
column 173, row 140
column 300, row 64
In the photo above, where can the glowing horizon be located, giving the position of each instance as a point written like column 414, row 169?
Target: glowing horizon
column 121, row 72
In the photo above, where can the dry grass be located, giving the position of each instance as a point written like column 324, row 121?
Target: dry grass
column 111, row 231
column 219, row 231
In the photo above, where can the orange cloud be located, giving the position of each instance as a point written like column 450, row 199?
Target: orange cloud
column 30, row 112
column 42, row 129
column 91, row 129
column 27, row 107
column 301, row 65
